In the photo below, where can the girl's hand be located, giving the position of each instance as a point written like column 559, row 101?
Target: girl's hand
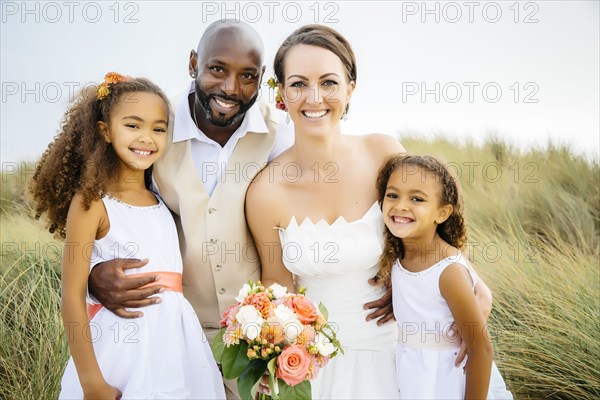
column 462, row 353
column 102, row 391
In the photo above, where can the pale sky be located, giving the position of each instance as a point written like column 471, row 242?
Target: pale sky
column 526, row 70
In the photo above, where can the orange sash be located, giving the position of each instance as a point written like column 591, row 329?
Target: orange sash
column 168, row 280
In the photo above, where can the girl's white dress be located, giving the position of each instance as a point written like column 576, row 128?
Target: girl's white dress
column 334, row 263
column 425, row 354
column 163, row 354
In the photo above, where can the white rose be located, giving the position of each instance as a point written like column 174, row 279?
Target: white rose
column 291, row 325
column 251, row 321
column 244, row 291
column 278, row 290
column 324, row 345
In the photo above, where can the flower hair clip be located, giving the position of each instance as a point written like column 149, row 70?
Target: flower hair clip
column 274, row 85
column 109, row 79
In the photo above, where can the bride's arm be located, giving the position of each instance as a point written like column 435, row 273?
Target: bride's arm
column 263, row 215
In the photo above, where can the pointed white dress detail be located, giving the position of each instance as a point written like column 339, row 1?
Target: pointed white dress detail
column 334, row 263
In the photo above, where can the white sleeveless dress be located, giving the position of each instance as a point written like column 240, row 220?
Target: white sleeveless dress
column 334, row 263
column 164, row 354
column 425, row 354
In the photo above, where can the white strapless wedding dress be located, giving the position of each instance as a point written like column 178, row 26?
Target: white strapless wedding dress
column 334, row 263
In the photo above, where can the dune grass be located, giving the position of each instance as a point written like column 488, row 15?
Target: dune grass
column 534, row 220
column 33, row 352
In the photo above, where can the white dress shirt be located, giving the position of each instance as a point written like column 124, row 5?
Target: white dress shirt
column 209, row 156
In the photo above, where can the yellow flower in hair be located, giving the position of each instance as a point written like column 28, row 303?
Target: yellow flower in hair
column 109, row 79
column 272, row 83
column 102, row 91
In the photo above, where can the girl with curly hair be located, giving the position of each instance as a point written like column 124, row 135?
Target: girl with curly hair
column 432, row 284
column 93, row 184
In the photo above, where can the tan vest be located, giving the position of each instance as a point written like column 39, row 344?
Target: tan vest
column 218, row 253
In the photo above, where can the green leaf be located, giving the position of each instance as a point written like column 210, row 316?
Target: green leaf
column 248, row 378
column 271, row 366
column 330, row 334
column 218, row 345
column 234, row 360
column 337, row 344
column 323, row 310
column 301, row 391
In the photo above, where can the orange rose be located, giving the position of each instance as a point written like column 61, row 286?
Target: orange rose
column 262, row 303
column 293, row 365
column 304, row 309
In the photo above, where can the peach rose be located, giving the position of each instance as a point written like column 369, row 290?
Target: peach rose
column 293, row 365
column 304, row 309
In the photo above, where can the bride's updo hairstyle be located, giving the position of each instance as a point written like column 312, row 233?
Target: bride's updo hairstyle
column 320, row 36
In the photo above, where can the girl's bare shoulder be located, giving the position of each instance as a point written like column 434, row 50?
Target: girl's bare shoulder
column 94, row 215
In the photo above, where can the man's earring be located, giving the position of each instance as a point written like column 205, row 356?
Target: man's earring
column 193, row 75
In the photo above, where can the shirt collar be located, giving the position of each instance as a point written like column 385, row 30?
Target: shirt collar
column 184, row 127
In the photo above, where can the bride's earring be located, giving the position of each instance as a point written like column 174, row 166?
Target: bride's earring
column 287, row 118
column 345, row 114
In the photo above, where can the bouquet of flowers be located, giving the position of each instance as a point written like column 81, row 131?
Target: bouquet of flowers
column 276, row 331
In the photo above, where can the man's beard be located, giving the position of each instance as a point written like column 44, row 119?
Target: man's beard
column 220, row 120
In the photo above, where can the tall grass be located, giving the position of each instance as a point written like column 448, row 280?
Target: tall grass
column 534, row 222
column 33, row 352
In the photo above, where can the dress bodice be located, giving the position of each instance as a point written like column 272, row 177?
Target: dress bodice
column 134, row 233
column 334, row 262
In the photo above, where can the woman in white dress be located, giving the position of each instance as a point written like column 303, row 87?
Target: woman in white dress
column 314, row 215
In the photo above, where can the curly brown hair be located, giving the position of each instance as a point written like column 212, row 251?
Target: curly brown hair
column 79, row 160
column 453, row 230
